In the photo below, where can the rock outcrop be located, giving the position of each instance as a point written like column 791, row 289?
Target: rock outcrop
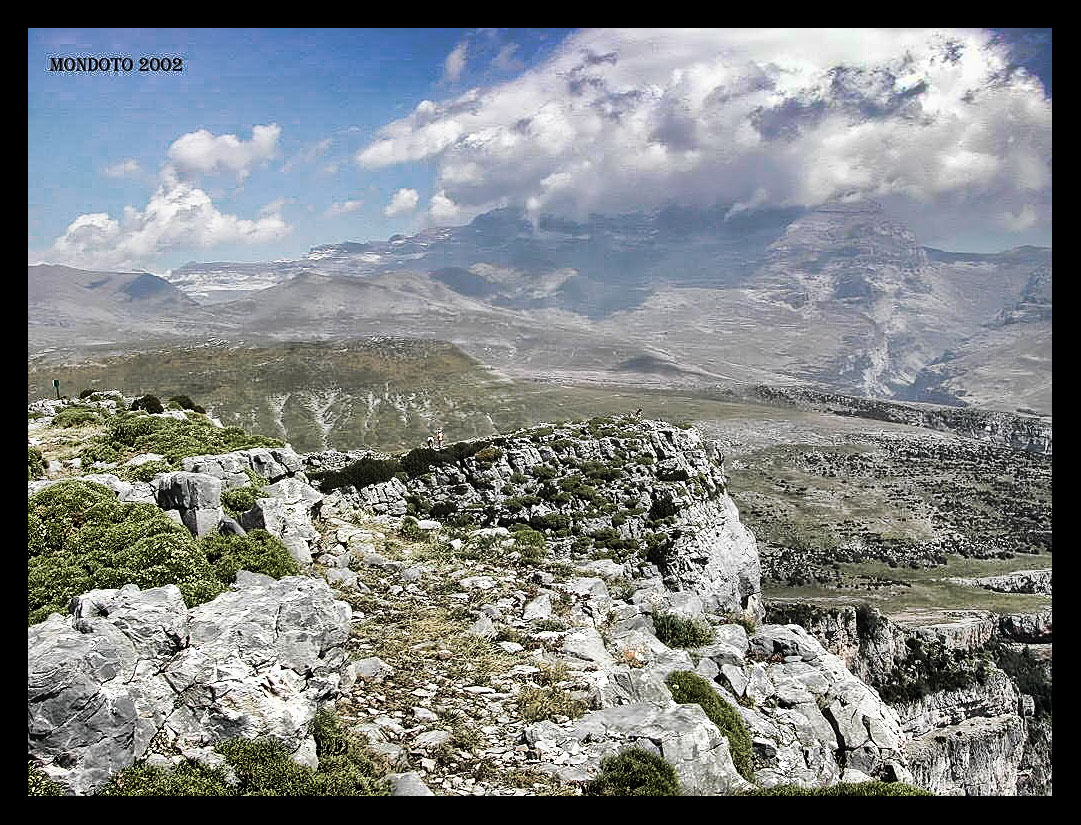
column 131, row 674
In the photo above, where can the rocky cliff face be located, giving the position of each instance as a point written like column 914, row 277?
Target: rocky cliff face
column 613, row 487
column 981, row 738
column 498, row 652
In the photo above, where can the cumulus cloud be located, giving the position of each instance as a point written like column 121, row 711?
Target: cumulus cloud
column 123, row 169
column 344, row 208
column 618, row 120
column 454, row 65
column 402, row 202
column 204, row 153
column 442, row 209
column 505, row 59
column 178, row 214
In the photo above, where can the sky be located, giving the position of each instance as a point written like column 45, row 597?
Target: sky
column 269, row 142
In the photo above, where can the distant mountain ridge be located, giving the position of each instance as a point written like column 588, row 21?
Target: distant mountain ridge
column 840, row 297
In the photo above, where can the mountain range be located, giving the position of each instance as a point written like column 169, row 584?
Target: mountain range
column 840, row 297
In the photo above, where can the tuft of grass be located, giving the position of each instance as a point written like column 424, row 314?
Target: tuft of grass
column 537, row 704
column 634, row 772
column 688, row 687
column 744, row 621
column 675, row 631
column 844, row 789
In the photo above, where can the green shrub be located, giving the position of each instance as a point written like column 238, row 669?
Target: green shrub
column 689, row 688
column 634, row 772
column 1027, row 673
column 257, row 552
column 551, row 521
column 488, row 455
column 845, row 789
column 263, row 767
column 182, row 402
column 175, row 439
column 75, row 416
column 35, row 463
column 38, row 782
column 187, row 779
column 411, row 531
column 531, row 544
column 542, row 472
column 359, row 474
column 80, row 538
column 150, row 403
column 347, row 765
column 99, row 451
column 675, row 631
column 868, row 622
column 147, row 470
column 240, row 499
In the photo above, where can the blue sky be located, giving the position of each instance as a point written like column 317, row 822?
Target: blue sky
column 273, row 141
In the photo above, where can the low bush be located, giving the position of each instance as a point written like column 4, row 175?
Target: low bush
column 531, row 544
column 38, row 783
column 35, row 463
column 263, row 767
column 186, row 779
column 150, row 403
column 146, row 471
column 676, row 631
column 868, row 622
column 411, row 531
column 689, row 688
column 844, row 789
column 634, row 772
column 99, row 451
column 75, row 416
column 240, row 499
column 80, row 537
column 488, row 455
column 257, row 552
column 182, row 402
column 929, row 668
column 359, row 474
column 175, row 439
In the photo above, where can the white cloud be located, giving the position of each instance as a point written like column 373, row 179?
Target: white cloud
column 123, row 169
column 308, row 155
column 203, row 153
column 506, row 61
column 617, row 120
column 442, row 209
column 344, row 208
column 402, row 202
column 177, row 215
column 454, row 65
